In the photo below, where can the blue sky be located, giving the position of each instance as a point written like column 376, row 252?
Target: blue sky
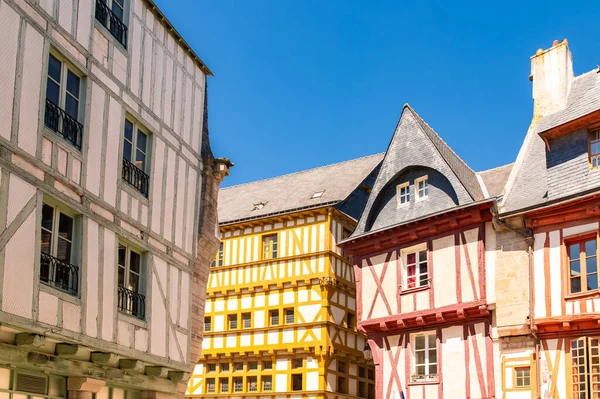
column 300, row 84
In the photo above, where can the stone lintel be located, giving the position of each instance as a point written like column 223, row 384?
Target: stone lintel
column 104, row 357
column 85, row 384
column 30, row 340
column 131, row 364
column 157, row 371
column 66, row 349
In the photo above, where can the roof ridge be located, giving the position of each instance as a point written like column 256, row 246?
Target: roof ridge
column 422, row 121
column 494, row 168
column 303, row 171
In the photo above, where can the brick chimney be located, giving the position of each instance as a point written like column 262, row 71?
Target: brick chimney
column 552, row 74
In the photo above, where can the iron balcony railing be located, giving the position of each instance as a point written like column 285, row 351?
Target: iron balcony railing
column 132, row 303
column 136, row 177
column 59, row 274
column 111, row 21
column 57, row 120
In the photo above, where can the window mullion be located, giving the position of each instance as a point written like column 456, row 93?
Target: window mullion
column 582, row 261
column 133, row 142
column 63, row 87
column 55, row 222
column 127, row 255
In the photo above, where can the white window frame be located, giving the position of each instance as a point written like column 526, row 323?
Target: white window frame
column 128, row 249
column 247, row 319
column 417, row 249
column 400, row 195
column 136, row 126
column 426, row 377
column 75, row 233
column 65, row 66
column 289, row 312
column 418, row 195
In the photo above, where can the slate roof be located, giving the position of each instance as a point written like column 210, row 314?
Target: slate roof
column 294, row 191
column 495, row 179
column 415, row 144
column 584, row 98
column 540, row 176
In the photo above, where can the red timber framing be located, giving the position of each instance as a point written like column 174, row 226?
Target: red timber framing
column 557, row 217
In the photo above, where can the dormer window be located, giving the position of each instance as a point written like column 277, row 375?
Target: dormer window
column 403, row 193
column 422, row 187
column 318, row 194
column 594, row 149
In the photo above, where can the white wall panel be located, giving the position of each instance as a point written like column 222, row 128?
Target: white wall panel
column 95, row 139
column 113, row 156
column 109, row 285
column 65, row 14
column 169, row 195
column 84, row 22
column 92, row 278
column 9, row 31
column 179, row 211
column 136, row 59
column 157, row 180
column 158, row 327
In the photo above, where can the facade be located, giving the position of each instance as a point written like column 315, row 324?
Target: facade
column 553, row 193
column 424, row 261
column 280, row 316
column 107, row 192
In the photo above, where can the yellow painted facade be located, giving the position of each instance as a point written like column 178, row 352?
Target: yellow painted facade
column 280, row 316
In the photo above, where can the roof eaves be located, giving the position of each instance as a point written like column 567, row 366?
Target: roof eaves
column 283, row 212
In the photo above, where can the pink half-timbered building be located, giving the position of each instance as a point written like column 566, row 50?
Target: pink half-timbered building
column 424, row 273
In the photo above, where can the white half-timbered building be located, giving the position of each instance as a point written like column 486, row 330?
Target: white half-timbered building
column 104, row 154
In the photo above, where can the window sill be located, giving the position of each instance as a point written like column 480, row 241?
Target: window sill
column 416, row 383
column 58, row 139
column 582, row 295
column 413, row 290
column 133, row 320
column 48, row 289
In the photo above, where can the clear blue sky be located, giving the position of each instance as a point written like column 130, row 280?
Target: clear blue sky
column 300, row 84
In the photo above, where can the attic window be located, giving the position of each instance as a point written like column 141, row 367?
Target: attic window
column 318, row 194
column 259, row 205
column 594, row 149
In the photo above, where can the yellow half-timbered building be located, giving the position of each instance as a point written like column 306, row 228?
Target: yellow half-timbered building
column 280, row 317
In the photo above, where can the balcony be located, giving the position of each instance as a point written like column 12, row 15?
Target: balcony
column 112, row 22
column 57, row 120
column 131, row 303
column 136, row 177
column 58, row 274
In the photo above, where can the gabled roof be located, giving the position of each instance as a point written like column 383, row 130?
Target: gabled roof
column 540, row 177
column 495, row 179
column 416, row 144
column 584, row 98
column 295, row 191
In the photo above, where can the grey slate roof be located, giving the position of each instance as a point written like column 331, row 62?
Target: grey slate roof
column 584, row 98
column 294, row 191
column 495, row 179
column 541, row 176
column 416, row 149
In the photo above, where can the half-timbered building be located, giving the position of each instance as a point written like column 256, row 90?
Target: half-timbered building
column 553, row 192
column 424, row 263
column 107, row 185
column 281, row 306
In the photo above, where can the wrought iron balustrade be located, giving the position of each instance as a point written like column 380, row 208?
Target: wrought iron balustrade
column 111, row 21
column 59, row 274
column 57, row 120
column 136, row 177
column 132, row 303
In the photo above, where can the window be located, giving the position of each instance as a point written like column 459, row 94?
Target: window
column 341, row 384
column 136, row 157
column 219, row 259
column 361, row 389
column 416, row 274
column 212, row 368
column 594, row 148
column 422, row 187
column 371, row 374
column 57, row 250
column 371, row 391
column 207, row 324
column 317, row 194
column 129, row 265
column 63, row 101
column 252, row 366
column 111, row 13
column 583, row 265
column 289, row 316
column 350, row 319
column 297, row 363
column 268, row 365
column 238, row 366
column 424, row 358
column 210, row 385
column 232, row 322
column 238, row 384
column 267, row 383
column 247, row 320
column 252, row 384
column 296, row 382
column 224, row 367
column 361, row 372
column 341, row 367
column 403, row 194
column 274, row 316
column 269, row 247
column 223, row 385
column 585, row 367
column 522, row 377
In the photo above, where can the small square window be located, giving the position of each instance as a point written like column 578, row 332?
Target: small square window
column 297, row 363
column 289, row 316
column 210, row 385
column 350, row 320
column 341, row 367
column 267, row 383
column 361, row 372
column 267, row 365
column 246, row 320
column 218, row 262
column 274, row 316
column 212, row 368
column 252, row 384
column 224, row 385
column 253, row 366
column 296, row 382
column 207, row 324
column 238, row 384
column 403, row 194
column 416, row 268
column 341, row 384
column 224, row 367
column 594, row 148
column 238, row 366
column 422, row 187
column 523, row 377
column 233, row 322
column 269, row 247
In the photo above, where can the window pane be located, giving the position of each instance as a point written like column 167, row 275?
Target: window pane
column 53, row 92
column 420, row 342
column 432, row 343
column 141, row 141
column 422, row 256
column 54, row 67
column 140, row 160
column 128, row 130
column 420, row 370
column 134, row 282
column 591, row 265
column 590, row 248
column 73, row 84
column 46, row 241
column 595, row 148
column 117, row 9
column 63, row 250
column 122, row 251
column 575, row 285
column 47, row 216
column 592, row 281
column 65, row 227
column 72, row 107
column 574, row 251
column 433, row 369
column 575, row 269
column 121, row 272
column 127, row 150
column 410, row 259
column 134, row 262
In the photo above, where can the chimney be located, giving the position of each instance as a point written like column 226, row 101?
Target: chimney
column 552, row 74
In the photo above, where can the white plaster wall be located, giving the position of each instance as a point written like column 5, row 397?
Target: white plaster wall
column 158, row 326
column 453, row 371
column 9, row 31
